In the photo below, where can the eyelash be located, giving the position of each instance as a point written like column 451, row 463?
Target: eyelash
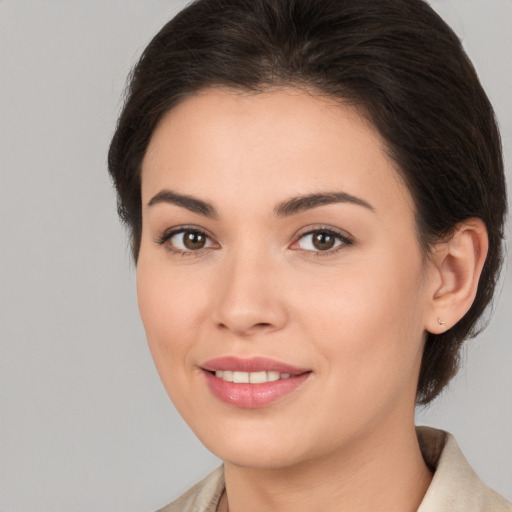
column 167, row 235
column 343, row 238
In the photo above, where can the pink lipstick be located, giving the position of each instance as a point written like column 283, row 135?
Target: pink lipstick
column 252, row 383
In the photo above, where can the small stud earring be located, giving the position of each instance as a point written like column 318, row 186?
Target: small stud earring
column 440, row 322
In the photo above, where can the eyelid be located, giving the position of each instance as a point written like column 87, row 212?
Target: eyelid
column 344, row 237
column 165, row 237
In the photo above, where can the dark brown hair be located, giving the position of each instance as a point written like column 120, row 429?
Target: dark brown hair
column 395, row 60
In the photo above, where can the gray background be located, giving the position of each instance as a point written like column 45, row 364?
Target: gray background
column 85, row 424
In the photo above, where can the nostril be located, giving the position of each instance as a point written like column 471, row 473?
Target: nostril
column 245, row 318
column 246, row 330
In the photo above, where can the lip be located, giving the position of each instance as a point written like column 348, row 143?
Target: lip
column 252, row 396
column 253, row 364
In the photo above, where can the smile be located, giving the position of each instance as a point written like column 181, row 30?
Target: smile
column 252, row 383
column 250, row 377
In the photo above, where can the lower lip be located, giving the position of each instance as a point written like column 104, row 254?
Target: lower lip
column 253, row 396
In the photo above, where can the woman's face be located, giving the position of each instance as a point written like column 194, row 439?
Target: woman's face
column 279, row 239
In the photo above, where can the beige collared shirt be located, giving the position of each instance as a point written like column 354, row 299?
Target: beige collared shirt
column 455, row 487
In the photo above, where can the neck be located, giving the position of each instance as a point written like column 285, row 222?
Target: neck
column 383, row 470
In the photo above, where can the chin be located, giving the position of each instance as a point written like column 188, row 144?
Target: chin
column 254, row 448
column 257, row 458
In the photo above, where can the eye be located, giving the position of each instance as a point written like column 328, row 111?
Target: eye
column 186, row 240
column 321, row 240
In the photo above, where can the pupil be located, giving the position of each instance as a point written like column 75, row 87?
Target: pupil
column 194, row 240
column 323, row 241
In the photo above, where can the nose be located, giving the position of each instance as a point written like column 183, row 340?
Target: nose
column 250, row 298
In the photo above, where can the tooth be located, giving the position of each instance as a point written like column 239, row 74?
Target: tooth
column 272, row 376
column 284, row 376
column 257, row 377
column 219, row 374
column 228, row 375
column 241, row 377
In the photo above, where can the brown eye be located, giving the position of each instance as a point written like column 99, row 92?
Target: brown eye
column 323, row 241
column 193, row 240
column 187, row 241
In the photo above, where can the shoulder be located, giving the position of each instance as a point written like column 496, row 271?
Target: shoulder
column 202, row 497
column 455, row 486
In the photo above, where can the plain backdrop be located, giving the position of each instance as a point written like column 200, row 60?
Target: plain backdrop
column 85, row 424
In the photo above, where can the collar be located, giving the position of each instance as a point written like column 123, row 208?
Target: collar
column 455, row 486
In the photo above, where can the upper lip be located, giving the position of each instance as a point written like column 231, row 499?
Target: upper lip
column 253, row 364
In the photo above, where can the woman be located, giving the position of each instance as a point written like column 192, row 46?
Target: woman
column 315, row 196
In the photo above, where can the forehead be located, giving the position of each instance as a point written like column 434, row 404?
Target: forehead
column 267, row 144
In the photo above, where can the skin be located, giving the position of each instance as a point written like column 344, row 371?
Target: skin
column 356, row 315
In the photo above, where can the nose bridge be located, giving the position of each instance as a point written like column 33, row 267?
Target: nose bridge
column 249, row 299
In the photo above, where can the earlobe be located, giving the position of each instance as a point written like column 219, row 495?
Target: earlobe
column 457, row 265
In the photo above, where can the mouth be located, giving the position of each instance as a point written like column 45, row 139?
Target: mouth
column 250, row 377
column 252, row 383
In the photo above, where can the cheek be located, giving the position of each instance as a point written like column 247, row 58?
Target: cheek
column 169, row 307
column 368, row 326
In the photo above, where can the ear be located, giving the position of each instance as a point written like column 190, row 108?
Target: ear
column 456, row 267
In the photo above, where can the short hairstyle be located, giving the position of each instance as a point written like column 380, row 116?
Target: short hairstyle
column 396, row 61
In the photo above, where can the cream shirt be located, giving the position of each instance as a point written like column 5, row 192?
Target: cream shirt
column 455, row 487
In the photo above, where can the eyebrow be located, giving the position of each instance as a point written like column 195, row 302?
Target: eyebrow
column 303, row 203
column 188, row 202
column 287, row 208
